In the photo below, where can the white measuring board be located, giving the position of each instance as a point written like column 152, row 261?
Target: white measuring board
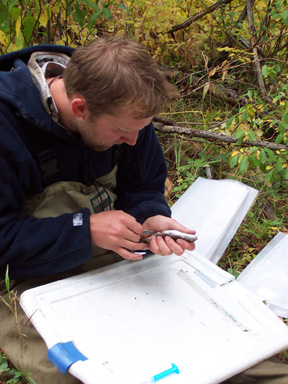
column 133, row 319
column 215, row 209
column 267, row 275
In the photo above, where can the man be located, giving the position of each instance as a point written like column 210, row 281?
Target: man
column 81, row 134
column 82, row 171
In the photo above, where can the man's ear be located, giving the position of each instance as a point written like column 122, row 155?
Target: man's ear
column 79, row 106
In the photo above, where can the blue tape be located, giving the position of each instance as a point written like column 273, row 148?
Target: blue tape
column 63, row 355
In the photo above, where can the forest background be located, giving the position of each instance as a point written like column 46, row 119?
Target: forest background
column 229, row 60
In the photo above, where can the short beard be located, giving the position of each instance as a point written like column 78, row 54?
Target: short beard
column 82, row 129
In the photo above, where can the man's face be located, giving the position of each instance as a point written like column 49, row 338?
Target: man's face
column 102, row 133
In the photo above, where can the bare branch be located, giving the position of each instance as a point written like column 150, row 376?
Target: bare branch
column 217, row 137
column 199, row 15
column 252, row 31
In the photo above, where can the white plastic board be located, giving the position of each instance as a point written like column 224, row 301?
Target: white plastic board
column 133, row 319
column 215, row 209
column 267, row 275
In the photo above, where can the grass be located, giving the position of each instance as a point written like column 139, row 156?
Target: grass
column 8, row 374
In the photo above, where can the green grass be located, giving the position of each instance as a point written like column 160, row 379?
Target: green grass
column 8, row 374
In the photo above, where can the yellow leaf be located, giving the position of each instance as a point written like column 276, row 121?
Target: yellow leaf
column 3, row 39
column 240, row 158
column 205, row 90
column 43, row 18
column 18, row 25
column 212, row 72
column 226, row 49
column 56, row 8
column 224, row 74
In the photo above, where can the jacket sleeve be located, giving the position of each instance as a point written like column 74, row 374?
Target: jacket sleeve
column 34, row 247
column 141, row 178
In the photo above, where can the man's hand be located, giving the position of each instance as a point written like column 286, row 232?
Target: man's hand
column 167, row 246
column 117, row 231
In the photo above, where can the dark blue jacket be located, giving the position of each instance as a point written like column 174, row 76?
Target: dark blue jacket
column 37, row 247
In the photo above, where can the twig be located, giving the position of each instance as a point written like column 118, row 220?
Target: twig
column 199, row 15
column 252, row 31
column 217, row 137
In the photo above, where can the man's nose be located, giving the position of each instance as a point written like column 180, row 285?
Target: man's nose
column 130, row 138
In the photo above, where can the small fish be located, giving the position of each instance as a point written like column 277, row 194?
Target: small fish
column 170, row 232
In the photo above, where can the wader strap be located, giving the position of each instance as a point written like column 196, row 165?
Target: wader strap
column 49, row 166
column 46, row 157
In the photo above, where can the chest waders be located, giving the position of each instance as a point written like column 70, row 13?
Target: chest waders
column 69, row 197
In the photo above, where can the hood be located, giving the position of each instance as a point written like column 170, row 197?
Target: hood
column 7, row 60
column 18, row 89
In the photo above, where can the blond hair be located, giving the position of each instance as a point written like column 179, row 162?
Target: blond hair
column 114, row 72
